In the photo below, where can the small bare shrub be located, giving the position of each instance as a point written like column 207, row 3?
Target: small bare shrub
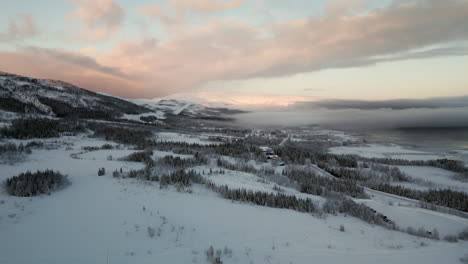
column 151, row 232
column 342, row 228
column 451, row 238
column 101, row 172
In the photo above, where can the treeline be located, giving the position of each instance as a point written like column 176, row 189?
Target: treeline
column 339, row 204
column 275, row 200
column 12, row 105
column 442, row 197
column 140, row 156
column 182, row 147
column 167, row 163
column 231, row 131
column 335, row 203
column 235, row 148
column 11, row 153
column 390, row 173
column 265, row 172
column 345, row 173
column 300, row 155
column 138, row 137
column 181, row 178
column 447, row 164
column 373, row 173
column 40, row 128
column 95, row 148
column 308, row 181
column 64, row 110
column 148, row 119
column 263, row 140
column 32, row 184
column 180, row 163
column 312, row 183
column 142, row 174
column 9, row 148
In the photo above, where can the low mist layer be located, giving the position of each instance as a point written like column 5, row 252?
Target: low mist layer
column 359, row 118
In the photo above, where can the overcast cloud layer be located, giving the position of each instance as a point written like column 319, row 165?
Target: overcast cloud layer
column 198, row 46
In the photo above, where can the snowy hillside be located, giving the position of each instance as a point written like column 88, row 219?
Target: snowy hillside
column 21, row 96
column 134, row 213
column 185, row 108
column 24, row 95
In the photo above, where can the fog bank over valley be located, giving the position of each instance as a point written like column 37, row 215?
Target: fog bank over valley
column 349, row 114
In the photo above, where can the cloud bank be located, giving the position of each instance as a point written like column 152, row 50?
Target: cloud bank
column 339, row 114
column 101, row 18
column 20, row 27
column 358, row 119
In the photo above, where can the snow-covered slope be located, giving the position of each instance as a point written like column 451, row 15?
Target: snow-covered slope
column 25, row 95
column 106, row 220
column 184, row 108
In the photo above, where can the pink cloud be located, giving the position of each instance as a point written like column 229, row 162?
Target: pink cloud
column 177, row 13
column 336, row 8
column 101, row 18
column 72, row 67
column 167, row 19
column 207, row 6
column 21, row 27
column 227, row 49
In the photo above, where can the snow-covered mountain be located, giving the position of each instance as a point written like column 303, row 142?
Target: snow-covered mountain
column 25, row 95
column 185, row 108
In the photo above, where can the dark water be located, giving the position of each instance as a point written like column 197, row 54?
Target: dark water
column 440, row 138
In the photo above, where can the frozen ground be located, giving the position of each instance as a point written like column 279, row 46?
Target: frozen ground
column 434, row 177
column 106, row 220
column 248, row 181
column 386, row 151
column 406, row 213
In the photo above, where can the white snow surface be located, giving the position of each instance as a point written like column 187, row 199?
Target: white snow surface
column 412, row 216
column 163, row 107
column 386, row 151
column 177, row 107
column 434, row 177
column 105, row 220
column 248, row 181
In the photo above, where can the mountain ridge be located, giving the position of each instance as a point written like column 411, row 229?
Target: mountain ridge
column 55, row 98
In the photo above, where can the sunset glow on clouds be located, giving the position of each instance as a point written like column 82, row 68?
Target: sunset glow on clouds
column 243, row 51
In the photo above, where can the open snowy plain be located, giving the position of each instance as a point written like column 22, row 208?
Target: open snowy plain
column 107, row 220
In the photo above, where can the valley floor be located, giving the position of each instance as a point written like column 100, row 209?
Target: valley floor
column 106, row 220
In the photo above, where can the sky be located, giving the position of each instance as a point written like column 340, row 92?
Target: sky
column 242, row 52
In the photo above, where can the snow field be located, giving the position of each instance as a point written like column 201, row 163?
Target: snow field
column 100, row 218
